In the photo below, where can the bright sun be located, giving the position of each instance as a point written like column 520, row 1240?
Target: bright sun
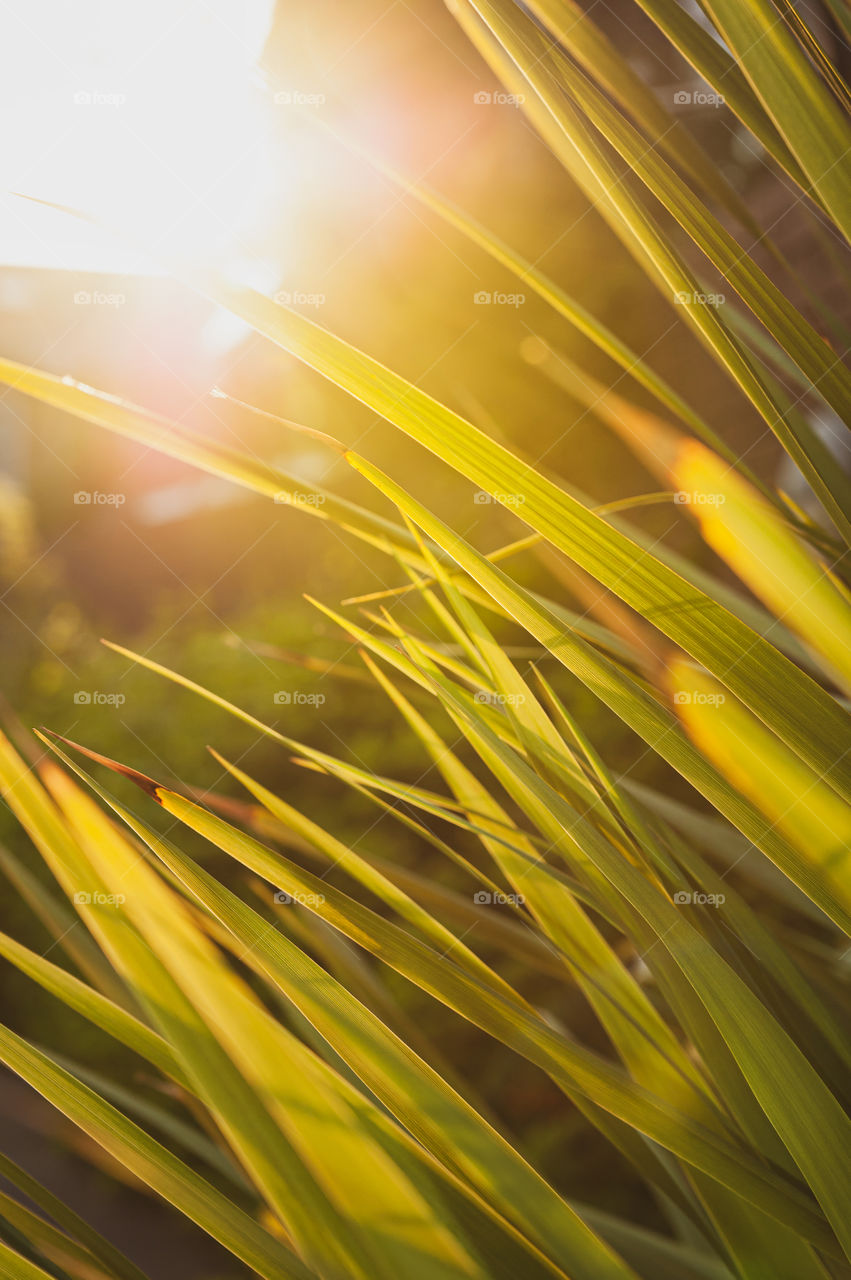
column 147, row 115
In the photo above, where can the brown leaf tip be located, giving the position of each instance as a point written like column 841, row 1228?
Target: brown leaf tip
column 148, row 785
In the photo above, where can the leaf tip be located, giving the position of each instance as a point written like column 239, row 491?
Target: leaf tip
column 146, row 784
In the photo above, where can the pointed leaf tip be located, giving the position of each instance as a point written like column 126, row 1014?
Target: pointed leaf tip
column 142, row 780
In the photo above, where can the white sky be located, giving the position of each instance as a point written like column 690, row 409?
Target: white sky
column 143, row 112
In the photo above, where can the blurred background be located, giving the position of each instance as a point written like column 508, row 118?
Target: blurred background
column 233, row 133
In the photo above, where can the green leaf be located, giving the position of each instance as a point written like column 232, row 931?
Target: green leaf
column 766, row 555
column 547, row 76
column 712, row 60
column 349, row 1210
column 808, row 718
column 626, row 697
column 176, row 441
column 792, row 796
column 74, row 1228
column 802, row 108
column 429, row 1108
column 151, row 1162
column 523, row 1031
column 556, row 297
column 793, row 1096
column 13, row 1266
column 99, row 1010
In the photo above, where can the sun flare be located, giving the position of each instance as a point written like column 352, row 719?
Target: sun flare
column 150, row 118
